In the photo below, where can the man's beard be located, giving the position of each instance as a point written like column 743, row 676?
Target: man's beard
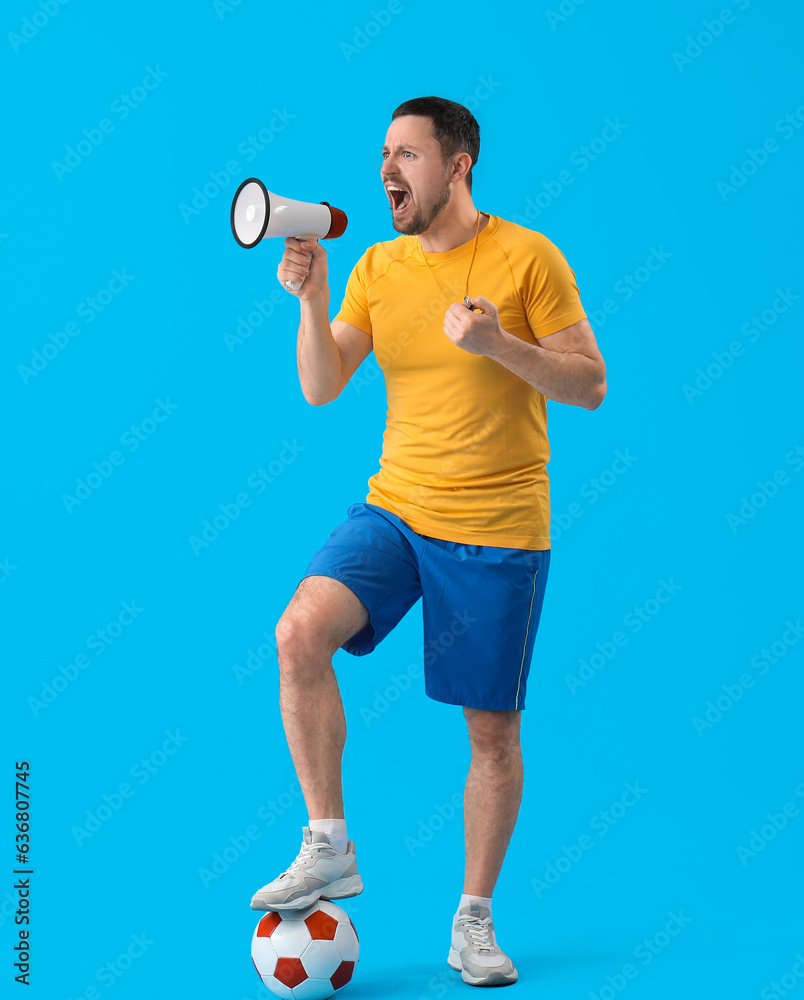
column 421, row 220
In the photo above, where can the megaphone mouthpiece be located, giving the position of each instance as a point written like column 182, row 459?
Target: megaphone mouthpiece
column 339, row 222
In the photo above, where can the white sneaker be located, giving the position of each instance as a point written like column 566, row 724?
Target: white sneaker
column 474, row 951
column 319, row 872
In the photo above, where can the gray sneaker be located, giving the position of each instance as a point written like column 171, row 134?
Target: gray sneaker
column 474, row 951
column 319, row 872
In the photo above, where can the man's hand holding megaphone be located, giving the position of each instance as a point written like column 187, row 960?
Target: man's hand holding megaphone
column 258, row 214
column 303, row 265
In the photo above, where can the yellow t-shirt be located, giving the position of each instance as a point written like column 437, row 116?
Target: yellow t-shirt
column 465, row 447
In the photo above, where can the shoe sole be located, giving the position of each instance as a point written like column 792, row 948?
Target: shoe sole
column 493, row 979
column 344, row 888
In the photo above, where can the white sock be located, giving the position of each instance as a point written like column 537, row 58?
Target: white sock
column 335, row 829
column 485, row 900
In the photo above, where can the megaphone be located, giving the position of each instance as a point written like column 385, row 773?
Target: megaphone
column 258, row 214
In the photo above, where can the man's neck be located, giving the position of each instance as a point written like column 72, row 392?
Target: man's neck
column 453, row 232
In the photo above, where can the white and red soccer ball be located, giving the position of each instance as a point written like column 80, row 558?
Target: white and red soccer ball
column 305, row 954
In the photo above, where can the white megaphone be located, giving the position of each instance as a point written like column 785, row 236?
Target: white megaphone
column 258, row 214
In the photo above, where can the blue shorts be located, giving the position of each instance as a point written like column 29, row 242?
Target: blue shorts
column 480, row 603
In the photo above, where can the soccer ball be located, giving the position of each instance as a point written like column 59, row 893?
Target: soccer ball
column 305, row 954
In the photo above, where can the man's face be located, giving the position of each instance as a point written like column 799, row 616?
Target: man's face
column 412, row 161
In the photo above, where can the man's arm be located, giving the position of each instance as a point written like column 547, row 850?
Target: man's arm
column 566, row 366
column 327, row 354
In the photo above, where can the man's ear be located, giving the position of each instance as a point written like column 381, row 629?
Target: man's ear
column 461, row 166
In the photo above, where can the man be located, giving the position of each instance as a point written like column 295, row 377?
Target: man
column 458, row 513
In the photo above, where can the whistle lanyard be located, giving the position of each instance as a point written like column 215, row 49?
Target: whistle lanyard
column 474, row 250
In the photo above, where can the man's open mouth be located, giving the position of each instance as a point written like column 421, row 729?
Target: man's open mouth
column 400, row 199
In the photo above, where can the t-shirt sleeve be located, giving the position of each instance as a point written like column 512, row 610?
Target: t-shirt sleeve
column 550, row 293
column 354, row 309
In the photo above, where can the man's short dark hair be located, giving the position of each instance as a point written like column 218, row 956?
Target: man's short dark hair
column 454, row 127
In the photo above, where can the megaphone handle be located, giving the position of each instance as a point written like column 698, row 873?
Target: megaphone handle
column 296, row 285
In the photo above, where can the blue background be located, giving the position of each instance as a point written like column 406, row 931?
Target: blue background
column 542, row 86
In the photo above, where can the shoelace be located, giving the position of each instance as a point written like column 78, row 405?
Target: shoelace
column 307, row 853
column 478, row 930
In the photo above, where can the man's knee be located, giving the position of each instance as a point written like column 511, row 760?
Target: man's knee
column 288, row 633
column 321, row 616
column 300, row 639
column 493, row 735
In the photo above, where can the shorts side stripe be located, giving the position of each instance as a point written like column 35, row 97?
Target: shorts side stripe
column 525, row 643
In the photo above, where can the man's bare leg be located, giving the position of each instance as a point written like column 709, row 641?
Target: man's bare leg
column 493, row 795
column 320, row 617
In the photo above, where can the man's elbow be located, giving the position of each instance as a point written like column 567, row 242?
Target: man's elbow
column 322, row 395
column 596, row 396
column 319, row 400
